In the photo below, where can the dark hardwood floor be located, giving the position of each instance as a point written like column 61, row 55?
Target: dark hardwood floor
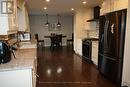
column 62, row 68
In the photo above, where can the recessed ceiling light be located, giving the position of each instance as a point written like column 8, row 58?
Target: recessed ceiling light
column 47, row 0
column 84, row 2
column 72, row 9
column 45, row 8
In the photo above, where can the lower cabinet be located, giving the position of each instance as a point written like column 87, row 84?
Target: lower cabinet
column 16, row 78
column 79, row 47
column 34, row 74
column 95, row 52
column 25, row 77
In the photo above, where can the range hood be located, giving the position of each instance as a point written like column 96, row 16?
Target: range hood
column 96, row 14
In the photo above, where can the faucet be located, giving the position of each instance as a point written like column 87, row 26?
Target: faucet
column 13, row 48
column 21, row 33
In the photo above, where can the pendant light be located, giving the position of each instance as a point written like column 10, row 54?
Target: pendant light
column 47, row 23
column 58, row 24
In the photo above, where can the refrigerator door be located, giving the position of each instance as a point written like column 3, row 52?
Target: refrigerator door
column 109, row 68
column 102, row 21
column 101, row 34
column 112, row 36
column 111, row 45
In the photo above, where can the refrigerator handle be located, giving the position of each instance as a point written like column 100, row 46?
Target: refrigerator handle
column 102, row 38
column 112, row 28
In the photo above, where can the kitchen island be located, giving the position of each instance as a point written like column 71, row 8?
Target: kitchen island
column 20, row 71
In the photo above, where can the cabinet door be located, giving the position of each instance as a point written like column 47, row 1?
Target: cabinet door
column 3, row 25
column 95, row 52
column 34, row 72
column 79, row 47
column 16, row 78
column 34, row 78
column 23, row 19
column 12, row 19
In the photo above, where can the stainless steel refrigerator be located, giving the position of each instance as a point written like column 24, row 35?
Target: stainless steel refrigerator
column 112, row 28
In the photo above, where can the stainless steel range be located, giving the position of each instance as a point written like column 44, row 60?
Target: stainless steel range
column 87, row 49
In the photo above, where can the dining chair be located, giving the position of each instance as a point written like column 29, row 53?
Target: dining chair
column 56, row 41
column 59, row 40
column 69, row 41
column 39, row 42
column 53, row 41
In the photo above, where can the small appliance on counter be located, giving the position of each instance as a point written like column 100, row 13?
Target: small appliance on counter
column 5, row 53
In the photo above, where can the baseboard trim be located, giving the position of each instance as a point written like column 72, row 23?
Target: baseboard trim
column 78, row 54
column 125, row 84
column 50, row 45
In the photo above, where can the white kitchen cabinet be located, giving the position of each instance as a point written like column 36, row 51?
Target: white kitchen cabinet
column 24, row 77
column 16, row 21
column 23, row 19
column 79, row 46
column 16, row 78
column 34, row 74
column 8, row 22
column 3, row 25
column 95, row 52
column 12, row 19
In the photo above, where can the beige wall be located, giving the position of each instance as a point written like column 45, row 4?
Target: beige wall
column 126, row 66
column 113, row 5
column 37, row 25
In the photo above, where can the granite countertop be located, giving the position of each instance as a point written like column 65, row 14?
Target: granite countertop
column 24, row 60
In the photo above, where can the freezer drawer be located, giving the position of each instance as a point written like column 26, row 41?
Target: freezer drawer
column 109, row 68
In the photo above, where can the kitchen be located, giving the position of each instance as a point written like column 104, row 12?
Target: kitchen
column 83, row 29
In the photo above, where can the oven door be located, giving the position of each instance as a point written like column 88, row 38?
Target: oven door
column 87, row 50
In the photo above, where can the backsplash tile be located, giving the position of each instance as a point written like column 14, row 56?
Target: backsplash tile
column 94, row 34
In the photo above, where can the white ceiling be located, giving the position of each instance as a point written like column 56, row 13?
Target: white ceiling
column 58, row 6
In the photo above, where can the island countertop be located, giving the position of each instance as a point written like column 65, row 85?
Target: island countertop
column 25, row 59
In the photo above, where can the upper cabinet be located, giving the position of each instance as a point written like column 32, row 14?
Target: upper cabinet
column 13, row 17
column 23, row 19
column 93, row 23
column 96, row 14
column 20, row 3
column 8, row 17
